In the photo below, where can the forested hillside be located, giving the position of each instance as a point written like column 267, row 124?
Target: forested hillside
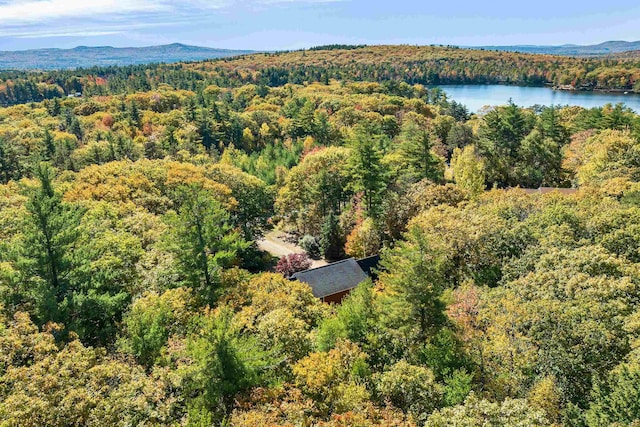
column 88, row 56
column 411, row 64
column 132, row 291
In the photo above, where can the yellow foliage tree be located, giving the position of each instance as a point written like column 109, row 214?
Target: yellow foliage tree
column 363, row 241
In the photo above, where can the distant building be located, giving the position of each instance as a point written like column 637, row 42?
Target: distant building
column 332, row 282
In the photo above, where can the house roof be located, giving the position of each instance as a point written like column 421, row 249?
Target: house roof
column 369, row 264
column 332, row 278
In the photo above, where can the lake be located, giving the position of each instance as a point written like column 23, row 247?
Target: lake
column 477, row 96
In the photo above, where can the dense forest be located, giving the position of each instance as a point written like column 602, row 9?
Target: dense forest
column 426, row 65
column 132, row 291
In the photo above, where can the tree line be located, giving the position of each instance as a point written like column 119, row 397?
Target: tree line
column 426, row 65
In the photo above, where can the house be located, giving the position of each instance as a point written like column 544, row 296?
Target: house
column 332, row 282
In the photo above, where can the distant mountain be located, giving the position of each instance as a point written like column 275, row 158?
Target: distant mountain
column 602, row 49
column 83, row 56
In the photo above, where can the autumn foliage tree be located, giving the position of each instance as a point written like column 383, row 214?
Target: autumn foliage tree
column 292, row 263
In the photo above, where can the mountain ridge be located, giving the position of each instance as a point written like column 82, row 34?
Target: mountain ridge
column 609, row 47
column 89, row 56
column 47, row 59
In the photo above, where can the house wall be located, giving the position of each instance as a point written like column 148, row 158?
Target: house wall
column 336, row 298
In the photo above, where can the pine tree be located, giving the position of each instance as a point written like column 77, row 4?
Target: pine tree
column 368, row 175
column 190, row 109
column 75, row 128
column 331, row 239
column 205, row 129
column 413, row 282
column 50, row 148
column 415, row 144
column 169, row 141
column 202, row 239
column 50, row 231
column 9, row 160
column 550, row 126
column 134, row 114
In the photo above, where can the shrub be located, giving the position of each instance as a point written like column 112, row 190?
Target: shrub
column 292, row 263
column 310, row 245
column 411, row 388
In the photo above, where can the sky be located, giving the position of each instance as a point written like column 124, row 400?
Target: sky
column 294, row 24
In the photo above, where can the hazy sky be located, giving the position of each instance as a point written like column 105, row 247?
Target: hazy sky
column 288, row 24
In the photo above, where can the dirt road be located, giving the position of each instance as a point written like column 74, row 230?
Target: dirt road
column 276, row 246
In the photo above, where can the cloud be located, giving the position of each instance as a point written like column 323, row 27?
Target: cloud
column 14, row 12
column 34, row 11
column 268, row 2
column 80, row 29
column 62, row 18
column 79, row 33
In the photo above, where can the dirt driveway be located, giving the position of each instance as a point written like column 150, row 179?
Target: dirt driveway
column 275, row 244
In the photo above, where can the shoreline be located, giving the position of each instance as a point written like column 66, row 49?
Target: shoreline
column 569, row 88
column 563, row 88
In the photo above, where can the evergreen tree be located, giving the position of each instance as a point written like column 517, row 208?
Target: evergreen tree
column 9, row 160
column 617, row 118
column 224, row 363
column 53, row 108
column 205, row 129
column 414, row 282
column 50, row 148
column 202, row 239
column 50, row 231
column 304, row 120
column 190, row 109
column 501, row 135
column 332, row 239
column 169, row 141
column 75, row 128
column 415, row 145
column 459, row 136
column 368, row 175
column 134, row 114
column 539, row 162
column 550, row 126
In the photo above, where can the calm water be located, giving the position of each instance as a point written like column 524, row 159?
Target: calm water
column 477, row 96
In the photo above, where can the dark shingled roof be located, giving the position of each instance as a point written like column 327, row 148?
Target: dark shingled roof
column 332, row 278
column 369, row 264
